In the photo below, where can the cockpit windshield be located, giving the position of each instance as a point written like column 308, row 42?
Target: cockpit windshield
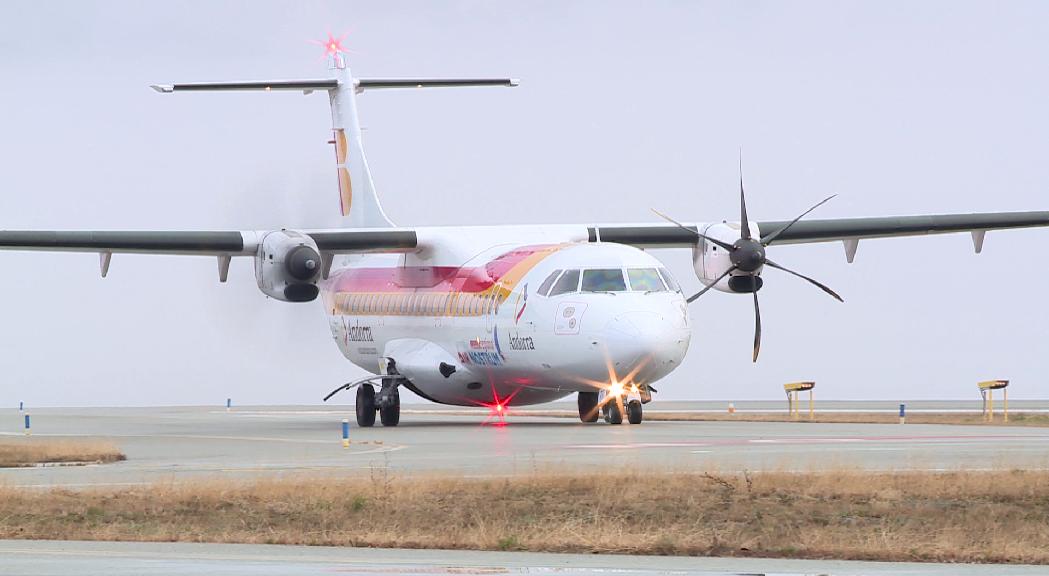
column 603, row 280
column 645, row 280
column 568, row 282
column 608, row 280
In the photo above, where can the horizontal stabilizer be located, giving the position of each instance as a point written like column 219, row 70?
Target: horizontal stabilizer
column 265, row 86
column 331, row 84
column 372, row 83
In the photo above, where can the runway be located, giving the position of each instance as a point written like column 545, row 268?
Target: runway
column 177, row 443
column 50, row 558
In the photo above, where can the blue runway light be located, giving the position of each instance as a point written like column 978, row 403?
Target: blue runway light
column 27, row 424
column 20, row 407
column 229, row 404
column 903, row 413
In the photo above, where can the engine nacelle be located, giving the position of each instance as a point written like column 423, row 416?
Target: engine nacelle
column 288, row 266
column 711, row 261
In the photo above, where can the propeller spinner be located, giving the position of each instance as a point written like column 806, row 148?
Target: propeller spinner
column 748, row 257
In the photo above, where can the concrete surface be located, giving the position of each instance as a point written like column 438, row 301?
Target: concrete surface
column 175, row 443
column 55, row 558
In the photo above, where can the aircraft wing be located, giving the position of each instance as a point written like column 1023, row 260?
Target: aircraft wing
column 229, row 243
column 849, row 230
column 221, row 244
column 807, row 231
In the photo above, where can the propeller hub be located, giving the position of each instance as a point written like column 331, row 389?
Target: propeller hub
column 748, row 255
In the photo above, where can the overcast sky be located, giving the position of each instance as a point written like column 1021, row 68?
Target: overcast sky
column 897, row 107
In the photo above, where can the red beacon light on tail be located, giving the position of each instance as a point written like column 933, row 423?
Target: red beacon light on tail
column 333, row 47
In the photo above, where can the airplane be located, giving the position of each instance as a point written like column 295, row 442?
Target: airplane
column 496, row 316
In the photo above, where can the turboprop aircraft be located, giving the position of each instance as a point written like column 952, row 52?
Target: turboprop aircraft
column 496, row 316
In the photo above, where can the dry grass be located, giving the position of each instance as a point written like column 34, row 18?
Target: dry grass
column 951, row 517
column 1015, row 419
column 30, row 451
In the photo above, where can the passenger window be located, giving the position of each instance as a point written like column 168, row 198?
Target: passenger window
column 671, row 283
column 610, row 280
column 568, row 282
column 645, row 280
column 544, row 288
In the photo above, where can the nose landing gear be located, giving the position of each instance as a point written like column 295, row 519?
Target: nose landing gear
column 614, row 408
column 613, row 412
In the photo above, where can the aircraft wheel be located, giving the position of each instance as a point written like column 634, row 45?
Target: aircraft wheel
column 634, row 412
column 588, row 406
column 615, row 412
column 365, row 406
column 391, row 415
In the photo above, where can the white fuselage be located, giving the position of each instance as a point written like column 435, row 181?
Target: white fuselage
column 495, row 321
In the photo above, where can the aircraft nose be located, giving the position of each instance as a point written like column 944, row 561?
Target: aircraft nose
column 649, row 338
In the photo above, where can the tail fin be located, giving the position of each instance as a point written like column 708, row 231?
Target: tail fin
column 358, row 200
column 357, row 197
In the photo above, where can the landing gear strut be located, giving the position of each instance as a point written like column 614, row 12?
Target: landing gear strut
column 388, row 401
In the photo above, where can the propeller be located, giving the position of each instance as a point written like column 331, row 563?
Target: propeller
column 748, row 256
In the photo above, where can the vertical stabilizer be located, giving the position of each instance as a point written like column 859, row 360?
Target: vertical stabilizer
column 357, row 198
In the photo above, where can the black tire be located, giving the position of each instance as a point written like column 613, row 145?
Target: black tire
column 391, row 415
column 634, row 413
column 615, row 412
column 588, row 411
column 365, row 406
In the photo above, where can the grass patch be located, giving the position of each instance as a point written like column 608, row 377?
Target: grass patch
column 943, row 517
column 21, row 452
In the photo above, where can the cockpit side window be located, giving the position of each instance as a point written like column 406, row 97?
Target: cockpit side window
column 544, row 288
column 568, row 282
column 645, row 280
column 604, row 280
column 671, row 283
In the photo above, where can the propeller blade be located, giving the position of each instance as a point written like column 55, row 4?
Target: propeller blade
column 725, row 245
column 804, row 277
column 757, row 327
column 768, row 239
column 744, row 230
column 711, row 285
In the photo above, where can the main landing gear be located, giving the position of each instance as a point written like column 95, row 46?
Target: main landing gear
column 588, row 410
column 612, row 410
column 387, row 402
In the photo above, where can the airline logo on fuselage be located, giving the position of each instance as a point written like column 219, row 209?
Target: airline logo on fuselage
column 359, row 334
column 518, row 342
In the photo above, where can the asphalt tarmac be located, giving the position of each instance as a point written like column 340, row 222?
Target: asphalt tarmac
column 180, row 443
column 54, row 558
column 176, row 443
